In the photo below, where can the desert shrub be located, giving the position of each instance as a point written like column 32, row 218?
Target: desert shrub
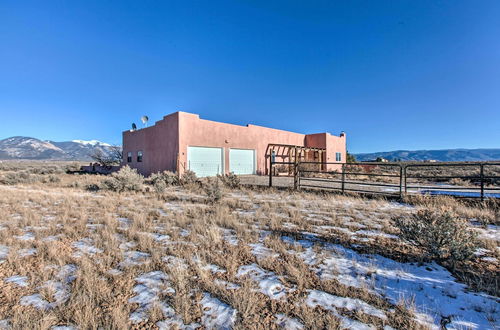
column 92, row 187
column 213, row 190
column 442, row 235
column 161, row 180
column 74, row 184
column 13, row 178
column 50, row 169
column 230, row 180
column 188, row 178
column 72, row 167
column 169, row 178
column 159, row 186
column 51, row 178
column 126, row 179
column 26, row 176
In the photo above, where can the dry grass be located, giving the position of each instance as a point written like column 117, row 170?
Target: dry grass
column 109, row 240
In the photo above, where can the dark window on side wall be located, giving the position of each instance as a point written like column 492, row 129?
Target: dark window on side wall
column 129, row 157
column 338, row 156
column 139, row 156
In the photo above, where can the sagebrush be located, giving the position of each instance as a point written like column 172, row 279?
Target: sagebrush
column 442, row 235
column 126, row 179
column 230, row 180
column 213, row 190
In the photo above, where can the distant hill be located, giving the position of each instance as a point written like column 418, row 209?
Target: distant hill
column 22, row 147
column 445, row 155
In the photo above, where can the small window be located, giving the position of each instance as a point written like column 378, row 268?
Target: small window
column 338, row 156
column 129, row 157
column 139, row 156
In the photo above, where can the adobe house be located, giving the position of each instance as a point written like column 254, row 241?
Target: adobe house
column 182, row 141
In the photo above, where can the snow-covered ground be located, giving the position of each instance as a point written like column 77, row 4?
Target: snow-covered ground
column 185, row 241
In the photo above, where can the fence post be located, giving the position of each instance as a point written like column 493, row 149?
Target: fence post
column 343, row 178
column 298, row 179
column 481, row 174
column 296, row 175
column 270, row 171
column 405, row 174
column 400, row 181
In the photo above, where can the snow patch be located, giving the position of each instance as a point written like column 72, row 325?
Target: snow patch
column 327, row 300
column 230, row 236
column 331, row 303
column 4, row 324
column 269, row 283
column 85, row 247
column 29, row 236
column 262, row 252
column 216, row 314
column 21, row 281
column 433, row 289
column 289, row 323
column 4, row 252
column 150, row 286
column 134, row 258
column 60, row 290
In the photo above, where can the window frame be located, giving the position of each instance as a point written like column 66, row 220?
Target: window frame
column 338, row 156
column 140, row 156
column 129, row 157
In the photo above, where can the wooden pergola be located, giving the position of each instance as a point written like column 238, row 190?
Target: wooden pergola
column 287, row 153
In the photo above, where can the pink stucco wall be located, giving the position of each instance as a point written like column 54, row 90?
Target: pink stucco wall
column 159, row 144
column 166, row 143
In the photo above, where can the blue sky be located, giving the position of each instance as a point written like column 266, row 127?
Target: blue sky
column 392, row 74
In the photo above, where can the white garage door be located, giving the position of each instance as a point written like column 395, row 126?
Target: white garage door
column 242, row 161
column 205, row 161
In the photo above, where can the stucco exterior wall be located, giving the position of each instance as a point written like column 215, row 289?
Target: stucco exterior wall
column 335, row 144
column 332, row 144
column 196, row 132
column 165, row 144
column 159, row 144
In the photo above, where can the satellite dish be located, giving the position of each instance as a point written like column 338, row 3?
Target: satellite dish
column 134, row 126
column 145, row 120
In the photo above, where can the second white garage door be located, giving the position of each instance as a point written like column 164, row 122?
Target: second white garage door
column 205, row 161
column 242, row 161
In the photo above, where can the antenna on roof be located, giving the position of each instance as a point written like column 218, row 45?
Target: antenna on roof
column 145, row 120
column 134, row 127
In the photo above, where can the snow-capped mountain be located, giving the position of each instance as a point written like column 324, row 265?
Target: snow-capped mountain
column 21, row 147
column 92, row 142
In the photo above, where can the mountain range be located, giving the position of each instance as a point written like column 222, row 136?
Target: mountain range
column 21, row 147
column 444, row 155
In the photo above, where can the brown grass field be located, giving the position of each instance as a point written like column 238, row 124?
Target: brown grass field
column 77, row 255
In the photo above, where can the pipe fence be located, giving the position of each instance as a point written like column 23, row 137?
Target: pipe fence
column 459, row 179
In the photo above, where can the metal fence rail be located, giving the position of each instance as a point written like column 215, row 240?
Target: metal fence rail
column 348, row 176
column 480, row 190
column 397, row 179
